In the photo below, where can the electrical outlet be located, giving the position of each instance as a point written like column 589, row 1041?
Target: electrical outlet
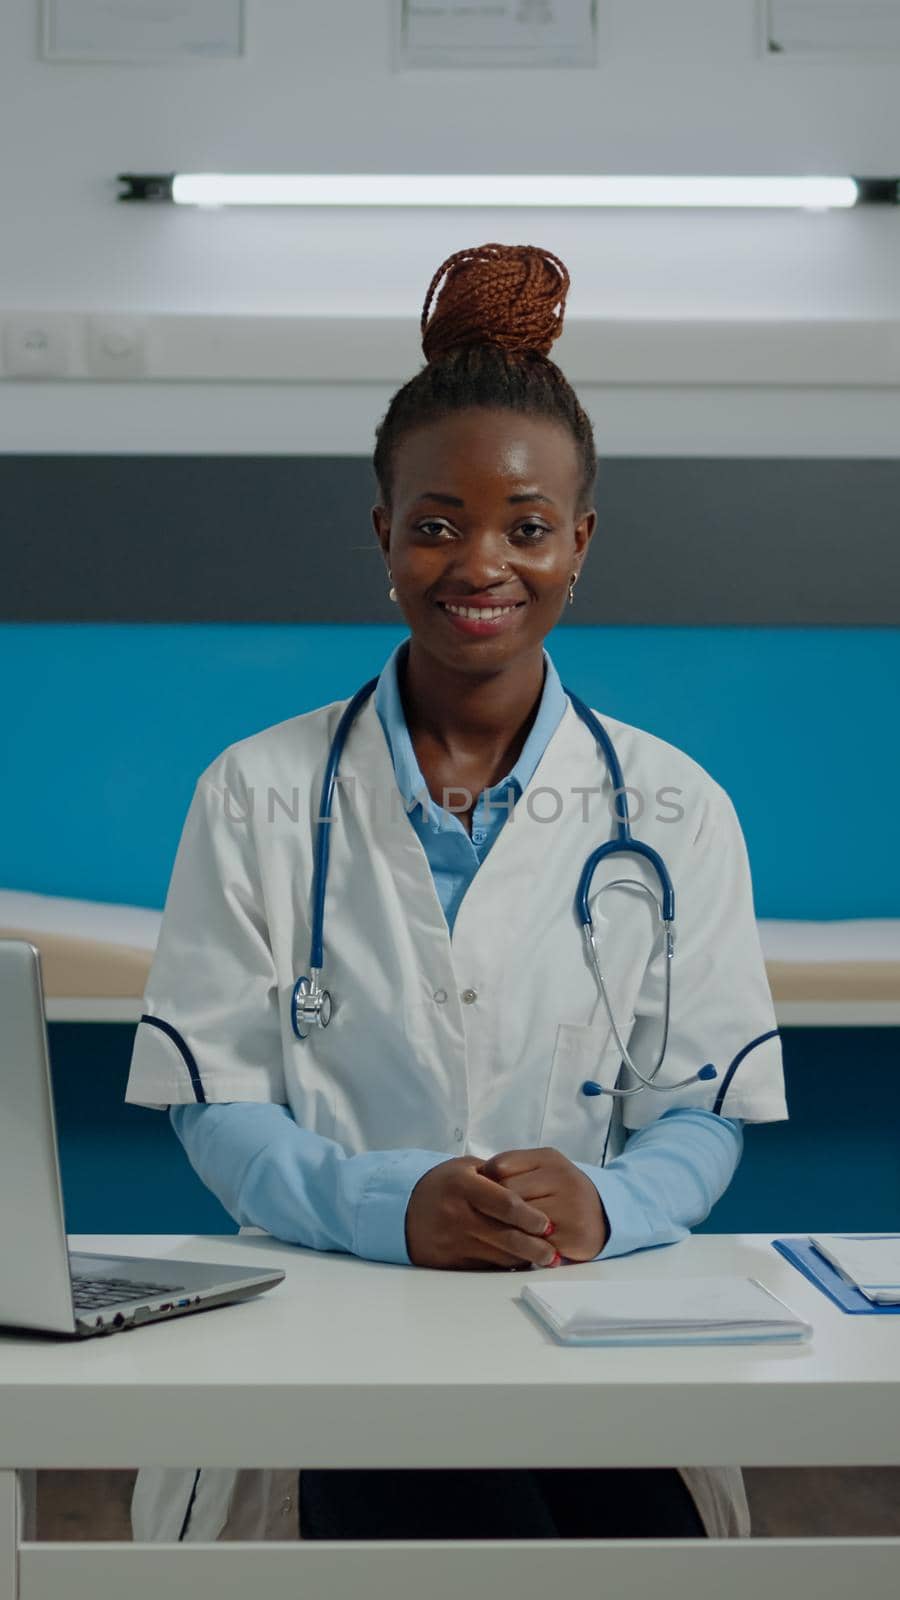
column 36, row 345
column 116, row 347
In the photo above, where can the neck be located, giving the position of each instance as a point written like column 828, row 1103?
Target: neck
column 467, row 715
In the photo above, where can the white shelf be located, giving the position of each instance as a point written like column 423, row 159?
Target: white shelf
column 838, row 1013
column 94, row 1010
column 743, row 352
column 790, row 1013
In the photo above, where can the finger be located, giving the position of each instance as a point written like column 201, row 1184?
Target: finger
column 507, row 1163
column 493, row 1200
column 488, row 1264
column 490, row 1256
column 534, row 1186
column 510, row 1248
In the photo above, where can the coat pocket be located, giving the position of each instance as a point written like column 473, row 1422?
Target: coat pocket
column 576, row 1119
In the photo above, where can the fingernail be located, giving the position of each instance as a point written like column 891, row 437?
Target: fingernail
column 556, row 1260
column 550, row 1228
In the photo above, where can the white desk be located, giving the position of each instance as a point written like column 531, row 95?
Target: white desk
column 354, row 1363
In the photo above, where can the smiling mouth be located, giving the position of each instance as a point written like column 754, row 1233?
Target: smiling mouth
column 478, row 613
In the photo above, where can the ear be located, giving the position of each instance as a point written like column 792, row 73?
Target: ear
column 584, row 529
column 381, row 522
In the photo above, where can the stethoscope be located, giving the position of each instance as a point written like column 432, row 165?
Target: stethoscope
column 311, row 1004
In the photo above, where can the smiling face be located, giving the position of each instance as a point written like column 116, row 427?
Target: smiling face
column 484, row 510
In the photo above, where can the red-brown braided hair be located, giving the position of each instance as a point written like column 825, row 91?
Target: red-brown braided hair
column 486, row 343
column 503, row 294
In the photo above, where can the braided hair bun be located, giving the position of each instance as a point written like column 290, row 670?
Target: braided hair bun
column 501, row 294
column 486, row 342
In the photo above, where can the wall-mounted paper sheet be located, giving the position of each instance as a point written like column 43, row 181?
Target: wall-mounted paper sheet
column 497, row 33
column 142, row 30
column 829, row 28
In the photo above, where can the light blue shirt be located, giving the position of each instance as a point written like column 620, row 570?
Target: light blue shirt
column 453, row 856
column 270, row 1173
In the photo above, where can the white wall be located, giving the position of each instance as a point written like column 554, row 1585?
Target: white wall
column 682, row 88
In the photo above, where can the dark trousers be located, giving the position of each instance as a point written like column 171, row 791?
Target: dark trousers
column 498, row 1503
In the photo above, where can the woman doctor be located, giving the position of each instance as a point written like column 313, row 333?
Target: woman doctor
column 448, row 1114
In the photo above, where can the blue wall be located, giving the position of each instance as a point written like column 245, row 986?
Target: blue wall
column 106, row 727
column 124, row 1170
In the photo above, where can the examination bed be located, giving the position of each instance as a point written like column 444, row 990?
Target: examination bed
column 93, row 951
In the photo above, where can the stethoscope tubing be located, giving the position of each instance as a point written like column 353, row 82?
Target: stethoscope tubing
column 314, row 1003
column 325, row 818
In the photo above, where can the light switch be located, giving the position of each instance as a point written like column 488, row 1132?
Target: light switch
column 116, row 347
column 36, row 345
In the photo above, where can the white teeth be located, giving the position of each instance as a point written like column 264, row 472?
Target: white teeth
column 477, row 613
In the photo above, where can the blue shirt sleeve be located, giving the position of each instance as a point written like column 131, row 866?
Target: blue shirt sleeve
column 270, row 1173
column 667, row 1179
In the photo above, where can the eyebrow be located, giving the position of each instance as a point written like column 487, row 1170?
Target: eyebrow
column 512, row 499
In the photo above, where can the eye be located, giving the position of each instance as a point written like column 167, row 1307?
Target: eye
column 530, row 532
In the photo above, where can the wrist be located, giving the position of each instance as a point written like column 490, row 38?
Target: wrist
column 602, row 1225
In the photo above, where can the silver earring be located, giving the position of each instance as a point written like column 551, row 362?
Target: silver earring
column 392, row 593
column 572, row 582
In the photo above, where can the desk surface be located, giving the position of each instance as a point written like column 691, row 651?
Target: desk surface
column 355, row 1362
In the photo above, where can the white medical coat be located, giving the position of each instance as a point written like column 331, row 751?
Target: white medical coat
column 473, row 1044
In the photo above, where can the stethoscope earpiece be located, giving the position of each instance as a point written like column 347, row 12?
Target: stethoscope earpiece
column 706, row 1072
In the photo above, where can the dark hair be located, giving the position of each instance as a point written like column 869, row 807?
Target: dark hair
column 487, row 344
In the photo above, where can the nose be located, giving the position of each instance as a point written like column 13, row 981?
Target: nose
column 480, row 562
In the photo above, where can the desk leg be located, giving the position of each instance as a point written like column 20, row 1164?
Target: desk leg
column 10, row 1532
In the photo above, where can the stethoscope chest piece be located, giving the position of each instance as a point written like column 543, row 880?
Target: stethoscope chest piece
column 310, row 1006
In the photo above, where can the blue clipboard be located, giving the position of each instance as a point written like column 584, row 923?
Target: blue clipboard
column 802, row 1255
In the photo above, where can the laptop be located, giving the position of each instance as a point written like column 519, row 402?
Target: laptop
column 43, row 1285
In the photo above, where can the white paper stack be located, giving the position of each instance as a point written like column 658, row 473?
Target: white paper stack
column 664, row 1311
column 870, row 1261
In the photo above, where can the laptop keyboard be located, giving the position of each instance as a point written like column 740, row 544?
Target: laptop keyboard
column 90, row 1293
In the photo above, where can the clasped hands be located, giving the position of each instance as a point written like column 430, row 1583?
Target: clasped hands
column 519, row 1208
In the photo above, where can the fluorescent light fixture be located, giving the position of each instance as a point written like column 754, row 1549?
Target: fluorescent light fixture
column 225, row 189
column 215, row 189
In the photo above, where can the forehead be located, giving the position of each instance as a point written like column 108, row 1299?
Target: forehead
column 479, row 447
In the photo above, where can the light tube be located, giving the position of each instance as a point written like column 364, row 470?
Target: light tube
column 354, row 189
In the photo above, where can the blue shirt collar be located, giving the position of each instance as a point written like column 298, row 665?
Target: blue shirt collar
column 410, row 780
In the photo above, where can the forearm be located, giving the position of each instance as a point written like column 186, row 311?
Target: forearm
column 270, row 1173
column 667, row 1179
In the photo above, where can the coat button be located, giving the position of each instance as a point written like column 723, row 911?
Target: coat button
column 440, row 996
column 469, row 995
column 457, row 1134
